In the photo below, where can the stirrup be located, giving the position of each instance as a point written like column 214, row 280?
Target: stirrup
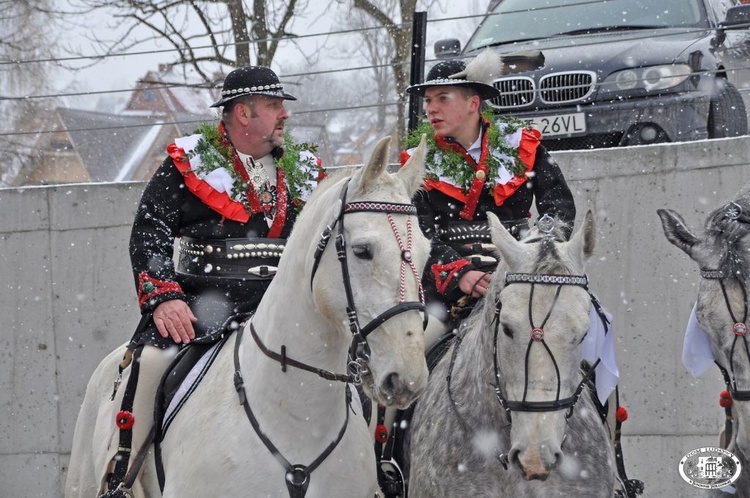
column 121, row 491
column 391, row 479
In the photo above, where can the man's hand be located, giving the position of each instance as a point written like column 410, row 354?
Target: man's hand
column 175, row 319
column 475, row 283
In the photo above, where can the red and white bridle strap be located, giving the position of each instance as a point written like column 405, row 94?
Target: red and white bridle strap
column 406, row 258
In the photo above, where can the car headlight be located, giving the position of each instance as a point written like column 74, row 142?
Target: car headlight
column 650, row 78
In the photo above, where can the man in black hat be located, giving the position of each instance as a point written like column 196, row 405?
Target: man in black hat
column 239, row 183
column 474, row 163
column 477, row 163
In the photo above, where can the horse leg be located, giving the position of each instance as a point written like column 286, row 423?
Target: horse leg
column 96, row 437
column 94, row 431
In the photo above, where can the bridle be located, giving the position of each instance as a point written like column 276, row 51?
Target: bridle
column 359, row 351
column 537, row 337
column 297, row 476
column 732, row 213
column 739, row 329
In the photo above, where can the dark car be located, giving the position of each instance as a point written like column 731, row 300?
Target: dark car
column 621, row 72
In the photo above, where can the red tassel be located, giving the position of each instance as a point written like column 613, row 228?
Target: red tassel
column 725, row 399
column 622, row 414
column 124, row 420
column 381, row 434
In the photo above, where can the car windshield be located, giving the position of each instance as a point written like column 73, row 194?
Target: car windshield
column 522, row 20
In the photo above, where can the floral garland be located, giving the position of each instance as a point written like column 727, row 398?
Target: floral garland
column 300, row 171
column 449, row 163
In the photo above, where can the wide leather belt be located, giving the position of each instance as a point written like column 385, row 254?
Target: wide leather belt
column 251, row 258
column 468, row 232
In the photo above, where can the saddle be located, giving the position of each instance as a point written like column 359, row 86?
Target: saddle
column 181, row 379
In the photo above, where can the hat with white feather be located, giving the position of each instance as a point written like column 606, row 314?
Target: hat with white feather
column 480, row 72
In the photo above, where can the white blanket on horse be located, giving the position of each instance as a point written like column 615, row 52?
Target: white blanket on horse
column 600, row 343
column 697, row 355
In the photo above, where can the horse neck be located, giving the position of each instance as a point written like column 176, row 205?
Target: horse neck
column 287, row 317
column 473, row 374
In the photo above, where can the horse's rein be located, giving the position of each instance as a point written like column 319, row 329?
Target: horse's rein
column 287, row 361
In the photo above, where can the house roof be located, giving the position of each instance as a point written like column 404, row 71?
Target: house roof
column 110, row 145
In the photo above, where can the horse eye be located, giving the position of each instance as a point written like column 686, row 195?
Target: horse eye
column 362, row 251
column 507, row 331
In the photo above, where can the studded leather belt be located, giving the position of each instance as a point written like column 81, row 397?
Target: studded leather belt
column 469, row 232
column 251, row 258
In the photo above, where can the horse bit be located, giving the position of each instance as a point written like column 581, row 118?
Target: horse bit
column 732, row 214
column 298, row 476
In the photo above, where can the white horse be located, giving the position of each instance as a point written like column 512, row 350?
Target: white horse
column 511, row 391
column 290, row 430
column 723, row 256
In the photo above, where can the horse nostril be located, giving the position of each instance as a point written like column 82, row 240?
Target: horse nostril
column 392, row 384
column 558, row 460
column 514, row 458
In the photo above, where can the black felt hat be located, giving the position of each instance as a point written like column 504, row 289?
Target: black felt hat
column 251, row 80
column 440, row 75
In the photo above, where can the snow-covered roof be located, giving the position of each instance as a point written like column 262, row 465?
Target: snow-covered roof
column 110, row 146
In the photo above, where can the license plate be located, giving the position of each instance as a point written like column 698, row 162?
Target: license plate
column 561, row 124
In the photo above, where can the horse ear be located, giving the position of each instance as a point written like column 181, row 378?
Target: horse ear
column 583, row 241
column 412, row 172
column 676, row 231
column 376, row 165
column 511, row 250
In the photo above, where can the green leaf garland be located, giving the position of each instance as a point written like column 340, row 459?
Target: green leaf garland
column 449, row 163
column 299, row 173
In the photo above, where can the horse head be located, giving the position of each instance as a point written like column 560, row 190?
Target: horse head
column 542, row 317
column 722, row 305
column 379, row 253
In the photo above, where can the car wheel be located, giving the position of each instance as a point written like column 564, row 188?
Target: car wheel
column 727, row 116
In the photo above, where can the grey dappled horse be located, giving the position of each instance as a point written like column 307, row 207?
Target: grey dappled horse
column 723, row 256
column 500, row 415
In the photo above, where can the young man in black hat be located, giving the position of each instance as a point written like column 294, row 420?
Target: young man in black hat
column 238, row 183
column 476, row 163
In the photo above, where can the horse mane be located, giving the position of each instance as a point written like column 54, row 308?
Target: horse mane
column 314, row 208
column 730, row 233
column 548, row 258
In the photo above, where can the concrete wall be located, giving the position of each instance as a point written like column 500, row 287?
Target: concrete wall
column 68, row 298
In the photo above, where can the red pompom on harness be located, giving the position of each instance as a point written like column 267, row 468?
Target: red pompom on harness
column 725, row 399
column 622, row 414
column 381, row 434
column 124, row 420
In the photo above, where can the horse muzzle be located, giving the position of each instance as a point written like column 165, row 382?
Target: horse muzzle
column 393, row 390
column 535, row 464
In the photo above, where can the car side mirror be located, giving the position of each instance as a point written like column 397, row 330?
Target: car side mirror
column 450, row 47
column 738, row 17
